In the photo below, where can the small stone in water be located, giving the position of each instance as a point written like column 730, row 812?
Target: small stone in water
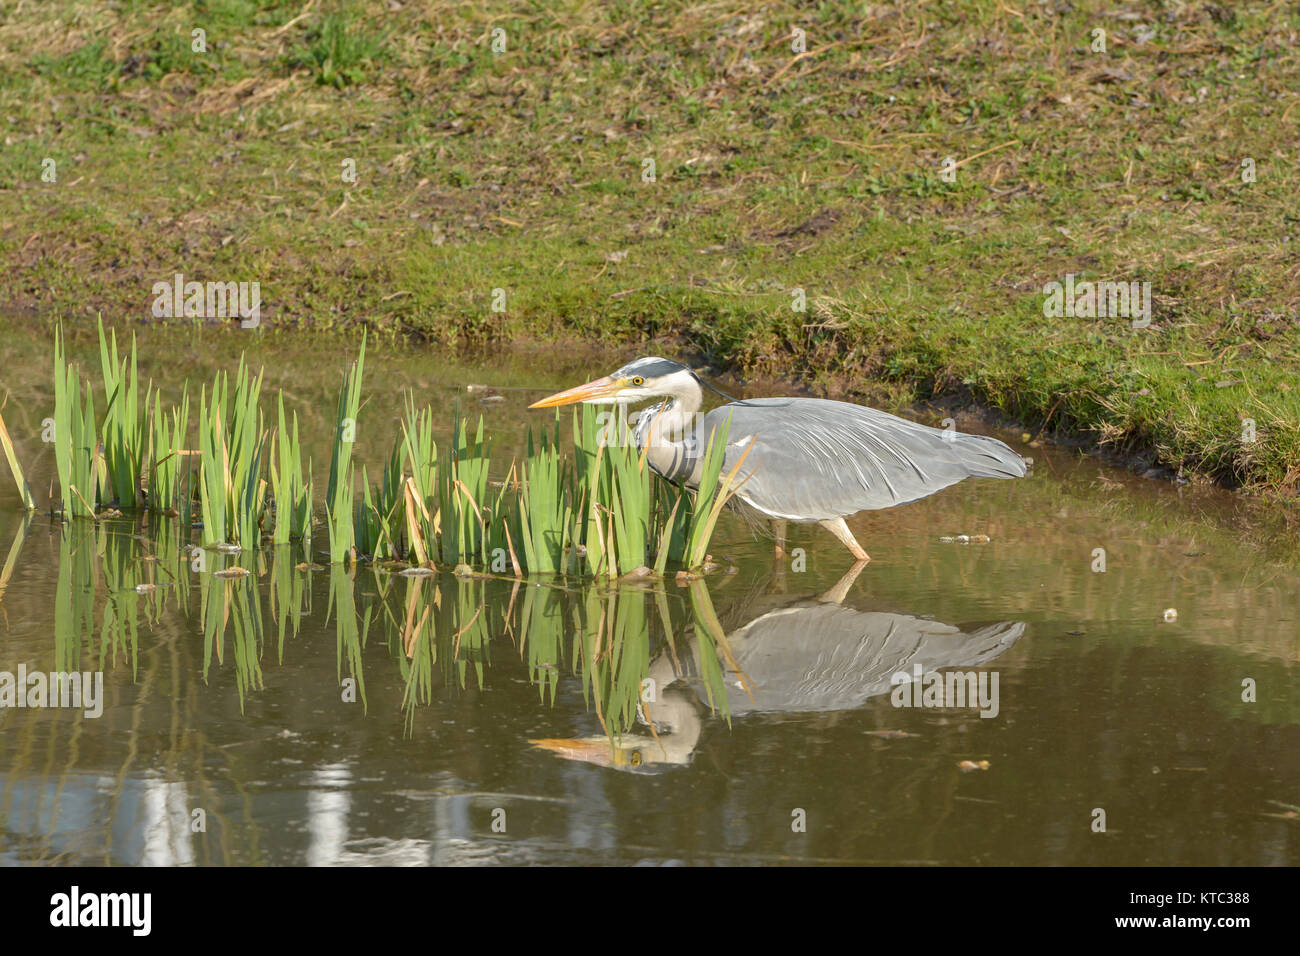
column 1170, row 615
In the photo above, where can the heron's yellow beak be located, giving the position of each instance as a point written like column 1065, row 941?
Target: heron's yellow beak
column 631, row 753
column 597, row 750
column 600, row 388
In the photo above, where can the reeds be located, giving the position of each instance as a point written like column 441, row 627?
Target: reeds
column 15, row 468
column 351, row 631
column 377, row 528
column 124, row 428
column 75, row 447
column 462, row 492
column 419, row 488
column 291, row 486
column 593, row 509
column 418, row 630
column 339, row 495
column 601, row 512
column 289, row 597
column 545, row 512
column 231, row 445
column 716, row 488
column 168, row 456
column 234, row 604
column 74, row 599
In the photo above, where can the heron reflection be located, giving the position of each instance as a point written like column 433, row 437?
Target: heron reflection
column 810, row 655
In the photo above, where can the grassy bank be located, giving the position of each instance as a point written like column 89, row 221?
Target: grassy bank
column 525, row 171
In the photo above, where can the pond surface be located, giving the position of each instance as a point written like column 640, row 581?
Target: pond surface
column 305, row 715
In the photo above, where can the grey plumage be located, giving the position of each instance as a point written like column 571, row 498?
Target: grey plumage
column 819, row 656
column 814, row 459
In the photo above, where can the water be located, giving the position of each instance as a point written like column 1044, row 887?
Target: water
column 324, row 717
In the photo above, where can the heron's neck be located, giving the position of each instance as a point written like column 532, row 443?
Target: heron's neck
column 677, row 725
column 665, row 433
column 670, row 421
column 674, row 715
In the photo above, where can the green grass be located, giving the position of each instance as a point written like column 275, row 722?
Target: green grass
column 521, row 171
column 87, row 67
column 337, row 52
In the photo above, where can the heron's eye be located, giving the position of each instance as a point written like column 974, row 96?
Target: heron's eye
column 638, row 380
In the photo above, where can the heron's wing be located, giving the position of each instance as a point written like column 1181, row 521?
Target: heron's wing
column 815, row 459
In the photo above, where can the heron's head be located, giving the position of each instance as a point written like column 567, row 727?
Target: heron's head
column 638, row 381
column 674, row 721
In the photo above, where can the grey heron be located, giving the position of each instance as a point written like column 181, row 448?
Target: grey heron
column 810, row 459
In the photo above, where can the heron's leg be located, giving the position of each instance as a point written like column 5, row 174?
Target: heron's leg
column 837, row 527
column 837, row 594
column 777, row 584
column 778, row 529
